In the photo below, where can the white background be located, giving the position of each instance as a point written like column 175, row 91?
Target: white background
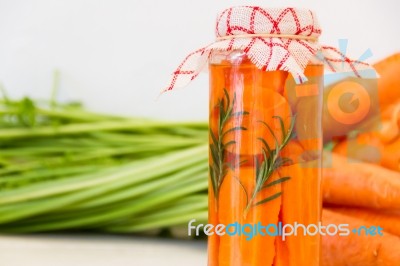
column 117, row 55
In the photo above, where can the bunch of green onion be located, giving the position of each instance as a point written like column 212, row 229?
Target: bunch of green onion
column 64, row 168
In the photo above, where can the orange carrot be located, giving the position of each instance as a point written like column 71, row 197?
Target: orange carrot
column 282, row 253
column 352, row 183
column 300, row 204
column 266, row 105
column 391, row 156
column 305, row 100
column 262, row 102
column 273, row 80
column 380, row 146
column 389, row 221
column 213, row 240
column 267, row 213
column 308, row 125
column 237, row 250
column 391, row 111
column 388, row 69
column 357, row 250
column 301, row 198
column 307, row 91
column 232, row 200
column 368, row 147
column 294, row 151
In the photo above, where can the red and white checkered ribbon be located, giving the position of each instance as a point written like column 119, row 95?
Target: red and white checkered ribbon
column 272, row 38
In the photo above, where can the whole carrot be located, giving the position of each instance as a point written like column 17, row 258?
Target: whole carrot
column 213, row 240
column 368, row 147
column 389, row 221
column 388, row 69
column 267, row 213
column 380, row 146
column 391, row 156
column 294, row 151
column 357, row 250
column 354, row 183
column 231, row 194
column 299, row 205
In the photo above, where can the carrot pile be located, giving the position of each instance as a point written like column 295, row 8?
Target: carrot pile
column 361, row 194
column 361, row 179
column 365, row 250
column 352, row 183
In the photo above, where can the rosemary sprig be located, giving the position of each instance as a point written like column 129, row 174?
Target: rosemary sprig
column 219, row 144
column 272, row 160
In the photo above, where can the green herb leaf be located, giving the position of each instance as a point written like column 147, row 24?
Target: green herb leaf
column 278, row 181
column 240, row 113
column 271, row 162
column 219, row 143
column 233, row 129
column 277, row 195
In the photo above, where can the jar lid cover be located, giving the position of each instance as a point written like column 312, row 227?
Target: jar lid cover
column 273, row 39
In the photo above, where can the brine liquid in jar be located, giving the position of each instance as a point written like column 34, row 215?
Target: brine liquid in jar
column 264, row 168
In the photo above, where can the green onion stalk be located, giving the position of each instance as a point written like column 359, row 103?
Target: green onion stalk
column 65, row 168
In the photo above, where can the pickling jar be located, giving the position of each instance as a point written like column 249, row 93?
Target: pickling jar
column 266, row 70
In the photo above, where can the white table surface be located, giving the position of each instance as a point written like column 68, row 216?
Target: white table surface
column 99, row 250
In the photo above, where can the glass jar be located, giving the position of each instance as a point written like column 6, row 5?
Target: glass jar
column 265, row 156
